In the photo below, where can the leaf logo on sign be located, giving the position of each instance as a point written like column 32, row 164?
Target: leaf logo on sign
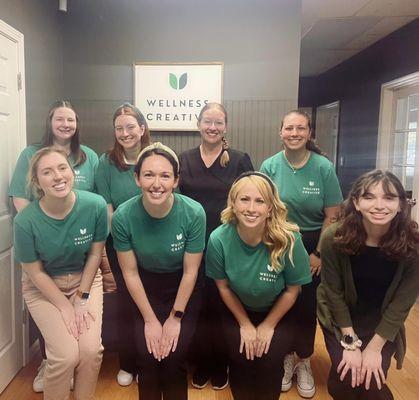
column 178, row 84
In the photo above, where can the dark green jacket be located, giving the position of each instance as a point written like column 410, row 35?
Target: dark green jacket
column 336, row 295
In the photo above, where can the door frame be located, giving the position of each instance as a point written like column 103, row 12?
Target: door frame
column 384, row 142
column 18, row 38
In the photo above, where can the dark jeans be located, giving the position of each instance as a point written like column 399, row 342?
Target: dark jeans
column 126, row 310
column 342, row 390
column 167, row 377
column 261, row 378
column 303, row 313
column 208, row 352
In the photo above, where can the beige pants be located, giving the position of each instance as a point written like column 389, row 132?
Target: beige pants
column 65, row 354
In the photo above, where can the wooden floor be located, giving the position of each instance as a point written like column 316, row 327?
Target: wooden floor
column 404, row 384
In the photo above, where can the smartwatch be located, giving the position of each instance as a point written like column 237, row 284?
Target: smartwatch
column 84, row 296
column 178, row 314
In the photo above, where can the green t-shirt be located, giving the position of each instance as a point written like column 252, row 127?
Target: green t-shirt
column 248, row 268
column 61, row 245
column 307, row 191
column 114, row 185
column 160, row 243
column 83, row 179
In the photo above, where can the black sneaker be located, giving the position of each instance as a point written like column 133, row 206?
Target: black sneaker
column 200, row 379
column 219, row 380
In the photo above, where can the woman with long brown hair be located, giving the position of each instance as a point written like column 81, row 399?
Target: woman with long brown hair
column 115, row 182
column 369, row 282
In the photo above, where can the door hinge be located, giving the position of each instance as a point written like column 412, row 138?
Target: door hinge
column 19, row 81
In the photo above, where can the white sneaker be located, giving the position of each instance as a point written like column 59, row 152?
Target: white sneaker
column 289, row 366
column 124, row 378
column 305, row 380
column 38, row 382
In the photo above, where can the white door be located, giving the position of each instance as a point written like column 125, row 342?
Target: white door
column 12, row 134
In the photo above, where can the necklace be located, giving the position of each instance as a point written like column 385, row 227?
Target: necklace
column 298, row 165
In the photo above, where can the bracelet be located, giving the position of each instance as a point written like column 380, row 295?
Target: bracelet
column 316, row 253
column 351, row 342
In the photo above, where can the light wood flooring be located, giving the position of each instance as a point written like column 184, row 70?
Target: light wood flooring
column 403, row 383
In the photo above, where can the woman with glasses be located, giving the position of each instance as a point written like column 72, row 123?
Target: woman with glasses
column 115, row 182
column 206, row 175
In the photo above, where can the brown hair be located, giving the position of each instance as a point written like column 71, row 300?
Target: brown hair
column 32, row 176
column 225, row 158
column 116, row 153
column 79, row 157
column 399, row 242
column 311, row 143
column 278, row 235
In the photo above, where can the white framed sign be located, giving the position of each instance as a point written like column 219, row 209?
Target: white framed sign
column 171, row 95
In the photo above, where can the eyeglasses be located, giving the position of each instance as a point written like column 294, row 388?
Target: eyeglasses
column 210, row 122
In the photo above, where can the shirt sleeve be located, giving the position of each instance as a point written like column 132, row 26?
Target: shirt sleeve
column 333, row 194
column 120, row 233
column 18, row 186
column 214, row 260
column 246, row 164
column 297, row 272
column 24, row 244
column 102, row 179
column 102, row 230
column 195, row 242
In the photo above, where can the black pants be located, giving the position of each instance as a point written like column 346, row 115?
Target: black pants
column 209, row 352
column 342, row 390
column 261, row 378
column 303, row 313
column 126, row 308
column 167, row 377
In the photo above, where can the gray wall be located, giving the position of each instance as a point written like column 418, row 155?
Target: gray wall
column 258, row 41
column 40, row 22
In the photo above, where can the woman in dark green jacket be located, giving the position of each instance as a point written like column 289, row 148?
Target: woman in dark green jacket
column 369, row 282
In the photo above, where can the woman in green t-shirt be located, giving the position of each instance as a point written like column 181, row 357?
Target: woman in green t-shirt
column 62, row 132
column 370, row 281
column 116, row 184
column 159, row 237
column 59, row 239
column 308, row 185
column 259, row 263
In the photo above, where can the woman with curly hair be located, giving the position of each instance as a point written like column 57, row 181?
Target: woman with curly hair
column 259, row 263
column 370, row 280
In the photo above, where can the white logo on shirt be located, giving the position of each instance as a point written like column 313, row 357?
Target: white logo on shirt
column 179, row 244
column 311, row 189
column 77, row 172
column 269, row 268
column 84, row 238
column 311, row 183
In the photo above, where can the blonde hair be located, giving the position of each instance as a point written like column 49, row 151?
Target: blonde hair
column 225, row 158
column 278, row 235
column 32, row 176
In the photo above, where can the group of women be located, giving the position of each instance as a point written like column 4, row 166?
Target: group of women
column 203, row 241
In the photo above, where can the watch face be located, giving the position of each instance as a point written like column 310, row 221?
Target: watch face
column 348, row 339
column 85, row 296
column 178, row 314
